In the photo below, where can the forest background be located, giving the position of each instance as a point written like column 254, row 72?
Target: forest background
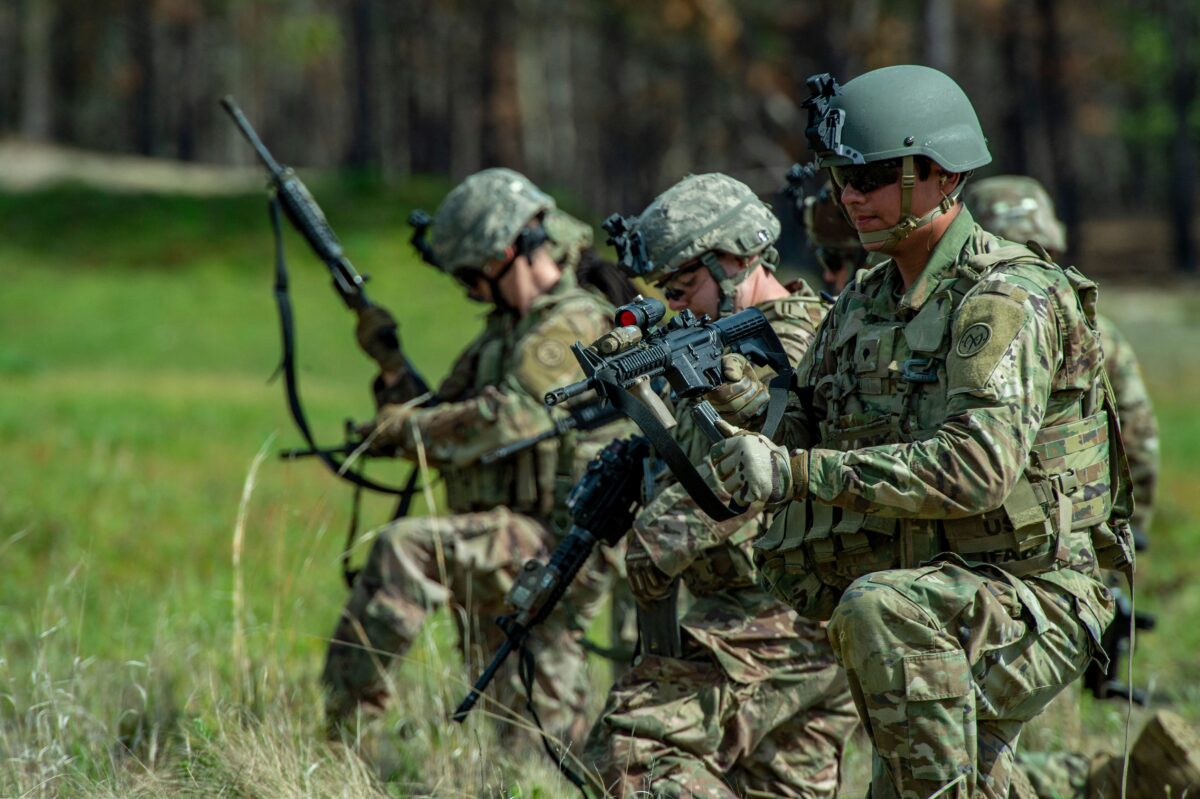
column 168, row 583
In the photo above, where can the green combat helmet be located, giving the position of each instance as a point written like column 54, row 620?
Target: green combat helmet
column 895, row 113
column 1019, row 209
column 698, row 218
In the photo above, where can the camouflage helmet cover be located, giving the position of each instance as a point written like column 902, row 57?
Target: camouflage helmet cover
column 1017, row 208
column 698, row 215
column 893, row 112
column 482, row 216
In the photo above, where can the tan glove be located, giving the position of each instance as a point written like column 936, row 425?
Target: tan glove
column 754, row 469
column 744, row 397
column 647, row 582
column 377, row 335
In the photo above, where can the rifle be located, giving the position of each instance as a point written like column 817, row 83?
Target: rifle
column 603, row 505
column 301, row 209
column 586, row 417
column 686, row 351
column 1105, row 683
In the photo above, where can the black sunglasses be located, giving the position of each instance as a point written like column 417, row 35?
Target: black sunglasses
column 677, row 294
column 867, row 177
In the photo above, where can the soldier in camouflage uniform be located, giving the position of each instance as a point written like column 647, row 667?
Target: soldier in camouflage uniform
column 505, row 240
column 945, row 474
column 754, row 705
column 1019, row 209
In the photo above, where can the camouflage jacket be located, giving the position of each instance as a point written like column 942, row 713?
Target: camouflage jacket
column 715, row 560
column 493, row 396
column 1139, row 427
column 963, row 416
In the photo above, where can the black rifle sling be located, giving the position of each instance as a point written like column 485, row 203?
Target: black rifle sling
column 526, row 671
column 779, row 389
column 670, row 451
column 287, row 366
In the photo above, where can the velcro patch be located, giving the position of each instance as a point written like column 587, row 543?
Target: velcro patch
column 986, row 325
column 973, row 339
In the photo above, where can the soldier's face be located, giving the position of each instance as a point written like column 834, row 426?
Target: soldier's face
column 879, row 208
column 693, row 288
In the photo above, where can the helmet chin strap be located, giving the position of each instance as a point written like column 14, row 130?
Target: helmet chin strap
column 727, row 284
column 908, row 222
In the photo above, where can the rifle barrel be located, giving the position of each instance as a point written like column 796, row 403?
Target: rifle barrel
column 231, row 107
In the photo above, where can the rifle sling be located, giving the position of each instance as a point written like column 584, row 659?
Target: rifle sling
column 287, row 366
column 669, row 450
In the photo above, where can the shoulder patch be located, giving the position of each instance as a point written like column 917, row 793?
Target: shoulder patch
column 550, row 353
column 973, row 339
column 984, row 328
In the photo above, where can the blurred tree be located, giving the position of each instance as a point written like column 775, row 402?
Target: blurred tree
column 37, row 84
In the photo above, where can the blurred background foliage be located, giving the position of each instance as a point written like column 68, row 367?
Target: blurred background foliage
column 613, row 101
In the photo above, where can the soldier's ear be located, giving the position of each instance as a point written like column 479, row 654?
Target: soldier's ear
column 948, row 181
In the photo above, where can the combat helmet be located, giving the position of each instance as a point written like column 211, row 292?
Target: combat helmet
column 697, row 219
column 1017, row 208
column 899, row 113
column 480, row 219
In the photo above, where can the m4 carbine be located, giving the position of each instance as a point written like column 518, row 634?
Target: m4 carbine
column 306, row 216
column 603, row 506
column 687, row 352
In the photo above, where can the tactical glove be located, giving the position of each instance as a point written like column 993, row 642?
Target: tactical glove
column 743, row 397
column 377, row 335
column 648, row 582
column 391, row 427
column 755, row 470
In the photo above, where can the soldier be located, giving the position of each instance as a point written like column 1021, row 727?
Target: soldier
column 753, row 704
column 1019, row 209
column 946, row 477
column 504, row 239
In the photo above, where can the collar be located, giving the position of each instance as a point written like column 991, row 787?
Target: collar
column 941, row 261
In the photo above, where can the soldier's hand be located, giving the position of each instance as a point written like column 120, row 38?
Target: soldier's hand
column 390, row 427
column 647, row 582
column 377, row 335
column 743, row 397
column 755, row 470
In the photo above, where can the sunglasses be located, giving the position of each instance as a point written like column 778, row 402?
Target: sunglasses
column 867, row 177
column 674, row 294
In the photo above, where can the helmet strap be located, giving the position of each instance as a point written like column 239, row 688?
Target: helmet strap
column 528, row 240
column 727, row 284
column 908, row 222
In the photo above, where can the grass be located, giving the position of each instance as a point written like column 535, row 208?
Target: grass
column 140, row 657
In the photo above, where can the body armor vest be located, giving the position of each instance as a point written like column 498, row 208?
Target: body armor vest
column 534, row 482
column 890, row 387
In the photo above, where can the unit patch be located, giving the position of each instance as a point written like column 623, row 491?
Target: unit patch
column 973, row 339
column 550, row 353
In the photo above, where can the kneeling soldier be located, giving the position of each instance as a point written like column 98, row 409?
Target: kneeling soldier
column 752, row 703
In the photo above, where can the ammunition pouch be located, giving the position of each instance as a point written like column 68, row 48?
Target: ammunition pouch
column 725, row 567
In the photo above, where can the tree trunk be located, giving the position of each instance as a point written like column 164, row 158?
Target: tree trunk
column 37, row 84
column 1182, row 19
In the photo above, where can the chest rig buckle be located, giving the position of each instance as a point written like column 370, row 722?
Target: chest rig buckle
column 919, row 370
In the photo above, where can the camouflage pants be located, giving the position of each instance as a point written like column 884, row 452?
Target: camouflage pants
column 946, row 666
column 467, row 561
column 682, row 727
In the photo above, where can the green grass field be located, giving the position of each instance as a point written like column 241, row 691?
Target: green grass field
column 164, row 599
